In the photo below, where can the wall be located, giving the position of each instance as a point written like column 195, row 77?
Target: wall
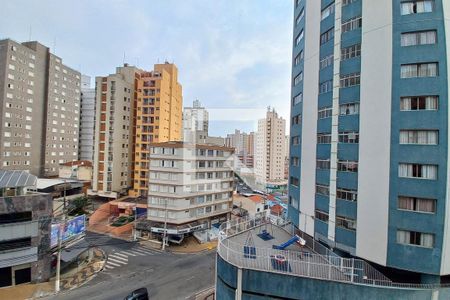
column 263, row 285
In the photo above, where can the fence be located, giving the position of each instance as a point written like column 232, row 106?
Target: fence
column 319, row 263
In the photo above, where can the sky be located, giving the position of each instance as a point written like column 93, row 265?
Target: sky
column 232, row 55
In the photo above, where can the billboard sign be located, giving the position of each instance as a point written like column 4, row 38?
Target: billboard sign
column 73, row 227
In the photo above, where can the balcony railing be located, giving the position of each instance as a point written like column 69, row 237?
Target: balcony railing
column 327, row 265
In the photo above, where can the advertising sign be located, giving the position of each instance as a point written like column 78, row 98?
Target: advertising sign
column 73, row 228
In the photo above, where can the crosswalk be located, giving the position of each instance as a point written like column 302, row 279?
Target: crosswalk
column 120, row 258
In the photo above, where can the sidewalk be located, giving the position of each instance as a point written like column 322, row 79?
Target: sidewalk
column 69, row 280
column 189, row 245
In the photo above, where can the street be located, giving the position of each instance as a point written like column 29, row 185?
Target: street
column 131, row 266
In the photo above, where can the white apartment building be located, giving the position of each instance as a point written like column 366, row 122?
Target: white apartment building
column 195, row 123
column 190, row 186
column 270, row 149
column 87, row 120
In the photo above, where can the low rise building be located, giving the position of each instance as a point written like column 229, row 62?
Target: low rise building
column 190, row 186
column 80, row 170
column 25, row 226
column 254, row 205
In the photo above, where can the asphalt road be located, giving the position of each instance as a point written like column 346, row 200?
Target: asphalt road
column 130, row 266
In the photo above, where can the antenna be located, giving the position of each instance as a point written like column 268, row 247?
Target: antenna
column 54, row 45
column 29, row 34
column 123, row 57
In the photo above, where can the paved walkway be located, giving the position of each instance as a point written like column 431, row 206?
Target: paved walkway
column 69, row 280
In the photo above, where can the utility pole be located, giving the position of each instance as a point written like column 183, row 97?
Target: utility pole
column 165, row 226
column 135, row 219
column 60, row 236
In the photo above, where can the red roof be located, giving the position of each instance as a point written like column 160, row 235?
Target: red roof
column 256, row 198
column 85, row 163
column 277, row 209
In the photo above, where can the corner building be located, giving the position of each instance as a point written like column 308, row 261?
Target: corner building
column 369, row 172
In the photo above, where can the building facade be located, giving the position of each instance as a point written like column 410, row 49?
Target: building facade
column 87, row 120
column 195, row 123
column 114, row 126
column 25, row 222
column 158, row 118
column 244, row 145
column 369, row 149
column 191, row 186
column 270, row 148
column 40, row 109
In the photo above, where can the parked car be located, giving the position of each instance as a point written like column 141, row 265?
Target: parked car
column 139, row 294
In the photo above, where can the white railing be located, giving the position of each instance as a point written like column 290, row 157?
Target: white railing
column 316, row 261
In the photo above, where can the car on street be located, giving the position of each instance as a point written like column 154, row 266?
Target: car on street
column 139, row 294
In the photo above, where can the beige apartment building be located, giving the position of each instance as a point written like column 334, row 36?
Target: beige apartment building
column 191, row 186
column 134, row 108
column 39, row 111
column 270, row 149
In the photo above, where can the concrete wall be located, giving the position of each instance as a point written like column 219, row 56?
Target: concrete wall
column 264, row 285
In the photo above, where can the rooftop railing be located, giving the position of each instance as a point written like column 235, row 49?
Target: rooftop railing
column 313, row 261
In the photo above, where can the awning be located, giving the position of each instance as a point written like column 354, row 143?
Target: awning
column 71, row 253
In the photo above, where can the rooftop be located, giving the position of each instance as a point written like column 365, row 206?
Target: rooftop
column 16, row 178
column 179, row 144
column 85, row 163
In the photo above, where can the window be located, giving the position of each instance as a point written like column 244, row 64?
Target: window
column 352, row 24
column 415, row 238
column 295, row 161
column 299, row 38
column 351, row 51
column 418, row 38
column 326, row 36
column 417, row 204
column 419, row 137
column 326, row 61
column 295, row 140
column 296, row 119
column 325, row 87
column 298, row 78
column 323, row 138
column 297, row 99
column 295, row 181
column 298, row 58
column 417, row 7
column 300, row 17
column 350, row 80
column 345, row 223
column 419, row 103
column 324, row 112
column 346, row 194
column 323, row 164
column 406, row 170
column 419, row 70
column 327, row 11
column 321, row 215
column 347, row 2
column 322, row 189
column 350, row 137
column 349, row 109
column 347, row 166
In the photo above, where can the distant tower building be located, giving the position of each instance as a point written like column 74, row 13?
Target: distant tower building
column 87, row 120
column 270, row 148
column 195, row 123
column 39, row 109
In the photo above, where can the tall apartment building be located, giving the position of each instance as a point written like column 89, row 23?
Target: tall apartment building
column 195, row 123
column 158, row 114
column 191, row 186
column 87, row 120
column 39, row 111
column 244, row 145
column 113, row 135
column 369, row 171
column 134, row 109
column 270, row 148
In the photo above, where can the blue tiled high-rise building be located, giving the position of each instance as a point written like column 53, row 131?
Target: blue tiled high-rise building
column 369, row 186
column 370, row 130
